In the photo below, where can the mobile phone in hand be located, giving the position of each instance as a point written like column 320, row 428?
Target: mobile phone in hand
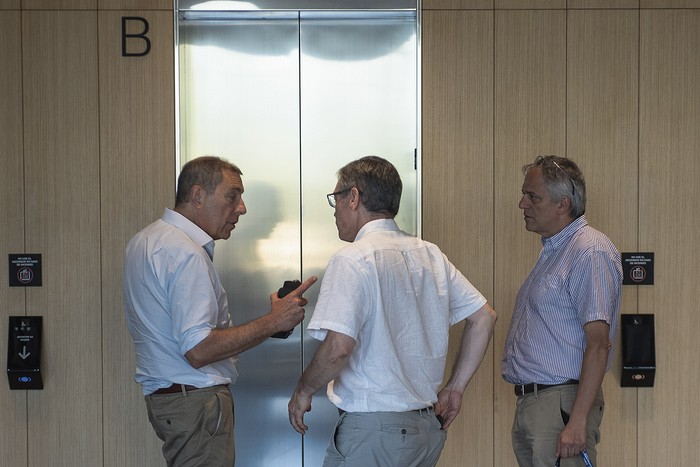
column 287, row 287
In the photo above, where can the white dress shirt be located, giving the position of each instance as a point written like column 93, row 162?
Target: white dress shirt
column 173, row 299
column 397, row 296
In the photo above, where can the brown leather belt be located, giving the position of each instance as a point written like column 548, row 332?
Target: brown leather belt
column 522, row 389
column 174, row 388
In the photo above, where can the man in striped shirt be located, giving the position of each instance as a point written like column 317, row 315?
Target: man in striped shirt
column 560, row 341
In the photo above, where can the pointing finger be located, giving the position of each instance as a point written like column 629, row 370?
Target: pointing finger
column 299, row 291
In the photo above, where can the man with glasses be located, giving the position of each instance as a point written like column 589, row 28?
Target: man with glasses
column 384, row 311
column 560, row 340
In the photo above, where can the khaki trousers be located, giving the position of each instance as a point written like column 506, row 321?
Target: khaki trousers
column 196, row 427
column 538, row 423
column 386, row 439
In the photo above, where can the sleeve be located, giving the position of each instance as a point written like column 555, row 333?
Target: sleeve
column 465, row 299
column 193, row 301
column 595, row 287
column 343, row 302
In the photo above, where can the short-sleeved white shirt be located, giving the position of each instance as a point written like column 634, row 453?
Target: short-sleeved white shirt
column 173, row 299
column 397, row 296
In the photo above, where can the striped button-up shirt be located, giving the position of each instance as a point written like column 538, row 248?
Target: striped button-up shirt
column 577, row 279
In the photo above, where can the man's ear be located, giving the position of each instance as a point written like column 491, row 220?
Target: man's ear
column 197, row 195
column 565, row 205
column 355, row 198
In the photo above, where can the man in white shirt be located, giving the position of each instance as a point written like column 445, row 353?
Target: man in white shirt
column 384, row 311
column 177, row 314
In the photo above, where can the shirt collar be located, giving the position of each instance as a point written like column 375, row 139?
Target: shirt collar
column 377, row 225
column 198, row 236
column 556, row 241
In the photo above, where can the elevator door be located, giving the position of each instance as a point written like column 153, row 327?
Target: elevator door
column 290, row 97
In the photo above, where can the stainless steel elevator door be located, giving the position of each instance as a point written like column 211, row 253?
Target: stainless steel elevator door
column 290, row 97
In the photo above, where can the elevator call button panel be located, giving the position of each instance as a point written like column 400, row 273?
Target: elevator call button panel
column 24, row 352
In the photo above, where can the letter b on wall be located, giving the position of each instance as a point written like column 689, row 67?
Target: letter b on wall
column 135, row 43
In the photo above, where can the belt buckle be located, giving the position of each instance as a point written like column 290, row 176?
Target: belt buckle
column 519, row 389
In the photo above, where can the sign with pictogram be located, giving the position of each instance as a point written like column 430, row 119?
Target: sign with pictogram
column 24, row 352
column 638, row 268
column 25, row 270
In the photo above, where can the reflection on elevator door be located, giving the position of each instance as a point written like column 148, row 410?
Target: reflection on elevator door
column 290, row 97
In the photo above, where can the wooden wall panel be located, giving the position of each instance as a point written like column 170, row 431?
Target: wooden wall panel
column 602, row 4
column 669, row 3
column 13, row 403
column 457, row 191
column 529, row 4
column 669, row 213
column 602, row 138
column 530, row 116
column 59, row 4
column 137, row 154
column 135, row 5
column 457, row 4
column 9, row 5
column 62, row 223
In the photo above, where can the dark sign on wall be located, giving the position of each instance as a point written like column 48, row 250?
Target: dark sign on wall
column 638, row 268
column 24, row 352
column 25, row 270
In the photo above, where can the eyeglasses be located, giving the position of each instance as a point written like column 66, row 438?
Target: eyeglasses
column 331, row 196
column 573, row 187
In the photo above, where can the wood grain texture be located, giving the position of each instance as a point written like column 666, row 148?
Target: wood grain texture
column 59, row 4
column 668, row 194
column 457, row 191
column 143, row 5
column 137, row 160
column 61, row 155
column 457, row 4
column 10, row 5
column 530, row 4
column 602, row 4
column 666, row 4
column 13, row 403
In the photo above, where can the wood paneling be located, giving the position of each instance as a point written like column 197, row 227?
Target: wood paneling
column 602, row 122
column 59, row 4
column 135, row 4
column 669, row 213
column 9, row 5
column 457, row 4
column 457, row 193
column 13, row 404
column 602, row 4
column 137, row 159
column 669, row 3
column 530, row 116
column 529, row 4
column 63, row 224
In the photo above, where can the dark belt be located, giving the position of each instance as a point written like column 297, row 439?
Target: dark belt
column 183, row 388
column 175, row 388
column 522, row 389
column 423, row 410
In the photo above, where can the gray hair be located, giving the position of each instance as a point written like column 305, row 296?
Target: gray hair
column 205, row 171
column 563, row 179
column 378, row 182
